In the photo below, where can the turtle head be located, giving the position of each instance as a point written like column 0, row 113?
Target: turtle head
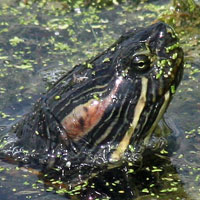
column 126, row 94
column 152, row 61
column 153, row 53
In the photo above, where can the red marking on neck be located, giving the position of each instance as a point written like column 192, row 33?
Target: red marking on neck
column 85, row 117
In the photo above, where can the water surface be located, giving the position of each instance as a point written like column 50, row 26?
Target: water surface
column 41, row 41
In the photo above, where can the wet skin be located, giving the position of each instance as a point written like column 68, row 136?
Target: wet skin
column 103, row 112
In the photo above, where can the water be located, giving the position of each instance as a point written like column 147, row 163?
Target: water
column 41, row 41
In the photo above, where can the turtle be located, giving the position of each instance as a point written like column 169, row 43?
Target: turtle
column 104, row 112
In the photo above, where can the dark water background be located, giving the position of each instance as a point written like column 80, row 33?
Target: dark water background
column 41, row 41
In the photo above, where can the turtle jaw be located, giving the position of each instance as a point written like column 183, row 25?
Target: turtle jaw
column 179, row 68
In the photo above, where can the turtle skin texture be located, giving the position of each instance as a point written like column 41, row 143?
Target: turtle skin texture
column 104, row 112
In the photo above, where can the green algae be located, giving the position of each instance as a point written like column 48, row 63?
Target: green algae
column 89, row 30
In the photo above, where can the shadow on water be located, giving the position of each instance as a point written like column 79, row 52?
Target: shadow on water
column 154, row 178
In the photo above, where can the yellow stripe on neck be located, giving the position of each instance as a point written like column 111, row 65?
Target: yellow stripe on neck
column 160, row 114
column 118, row 153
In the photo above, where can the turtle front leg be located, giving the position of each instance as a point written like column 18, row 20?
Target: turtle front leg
column 159, row 138
column 155, row 143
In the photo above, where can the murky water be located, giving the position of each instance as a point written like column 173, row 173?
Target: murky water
column 41, row 41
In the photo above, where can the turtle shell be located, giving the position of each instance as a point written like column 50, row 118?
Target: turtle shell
column 103, row 110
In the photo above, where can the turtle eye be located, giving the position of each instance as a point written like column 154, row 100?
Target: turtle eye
column 140, row 63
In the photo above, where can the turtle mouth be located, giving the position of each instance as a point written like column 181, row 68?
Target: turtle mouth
column 167, row 56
